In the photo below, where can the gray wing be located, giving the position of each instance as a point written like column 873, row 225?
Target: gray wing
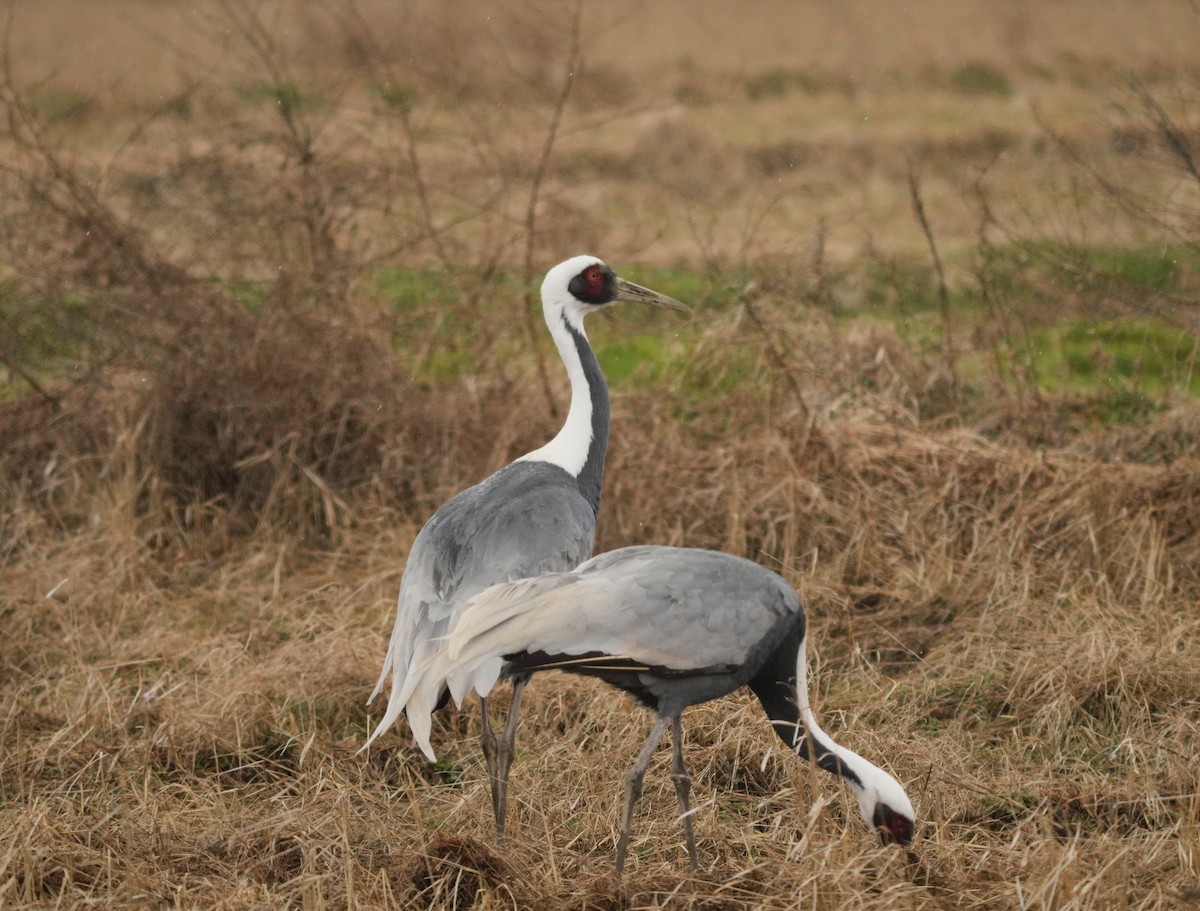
column 528, row 518
column 509, row 531
column 685, row 609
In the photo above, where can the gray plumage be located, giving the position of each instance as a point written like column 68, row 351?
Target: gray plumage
column 674, row 627
column 527, row 519
column 706, row 631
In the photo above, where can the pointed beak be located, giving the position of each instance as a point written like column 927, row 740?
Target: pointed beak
column 628, row 291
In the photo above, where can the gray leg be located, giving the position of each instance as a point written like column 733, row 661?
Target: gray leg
column 490, row 746
column 504, row 757
column 633, row 787
column 683, row 784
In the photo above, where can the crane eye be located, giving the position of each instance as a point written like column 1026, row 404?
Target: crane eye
column 594, row 279
column 593, row 285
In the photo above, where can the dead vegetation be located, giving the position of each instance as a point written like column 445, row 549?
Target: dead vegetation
column 223, row 421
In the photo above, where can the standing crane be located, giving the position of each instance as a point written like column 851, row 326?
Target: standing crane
column 534, row 515
column 674, row 627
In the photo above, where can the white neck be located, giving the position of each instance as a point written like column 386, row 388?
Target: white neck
column 876, row 784
column 569, row 448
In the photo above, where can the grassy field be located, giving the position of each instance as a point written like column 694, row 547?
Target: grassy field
column 266, row 301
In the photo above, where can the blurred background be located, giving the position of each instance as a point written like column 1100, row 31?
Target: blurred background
column 268, row 277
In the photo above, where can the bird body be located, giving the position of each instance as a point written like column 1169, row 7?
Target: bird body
column 526, row 519
column 534, row 515
column 674, row 627
column 706, row 637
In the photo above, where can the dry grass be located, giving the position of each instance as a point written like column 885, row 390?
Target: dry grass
column 222, row 430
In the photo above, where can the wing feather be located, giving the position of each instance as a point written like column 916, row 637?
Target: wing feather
column 526, row 519
column 661, row 607
column 685, row 609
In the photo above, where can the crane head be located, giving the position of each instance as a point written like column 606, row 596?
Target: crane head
column 886, row 807
column 894, row 827
column 585, row 283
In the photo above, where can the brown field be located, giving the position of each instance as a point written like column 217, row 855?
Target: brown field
column 265, row 303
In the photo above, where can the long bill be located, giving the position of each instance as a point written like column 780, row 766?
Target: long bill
column 628, row 291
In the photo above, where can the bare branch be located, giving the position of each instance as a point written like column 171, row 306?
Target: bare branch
column 365, row 35
column 914, row 191
column 1172, row 136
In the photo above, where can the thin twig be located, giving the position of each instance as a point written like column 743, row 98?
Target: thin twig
column 365, row 34
column 770, row 337
column 918, row 203
column 85, row 208
column 574, row 57
column 325, row 253
column 1170, row 133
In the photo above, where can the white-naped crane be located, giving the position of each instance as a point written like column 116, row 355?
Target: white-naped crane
column 674, row 627
column 534, row 515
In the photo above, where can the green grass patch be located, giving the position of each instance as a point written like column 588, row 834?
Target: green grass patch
column 252, row 295
column 447, row 362
column 778, row 82
column 414, row 289
column 699, row 290
column 41, row 331
column 900, row 286
column 630, row 340
column 978, row 79
column 905, row 295
column 433, row 322
column 290, row 97
column 1126, row 370
column 60, row 106
column 1157, row 270
column 1127, row 367
column 396, row 97
column 646, row 356
column 450, row 772
column 1132, row 355
column 1104, row 269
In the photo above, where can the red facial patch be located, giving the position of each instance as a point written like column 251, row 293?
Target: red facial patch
column 898, row 829
column 595, row 285
column 595, row 282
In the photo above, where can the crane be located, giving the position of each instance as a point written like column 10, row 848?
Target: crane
column 535, row 515
column 674, row 627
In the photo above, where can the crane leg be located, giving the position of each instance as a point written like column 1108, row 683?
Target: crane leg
column 504, row 758
column 498, row 752
column 633, row 787
column 489, row 744
column 683, row 784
